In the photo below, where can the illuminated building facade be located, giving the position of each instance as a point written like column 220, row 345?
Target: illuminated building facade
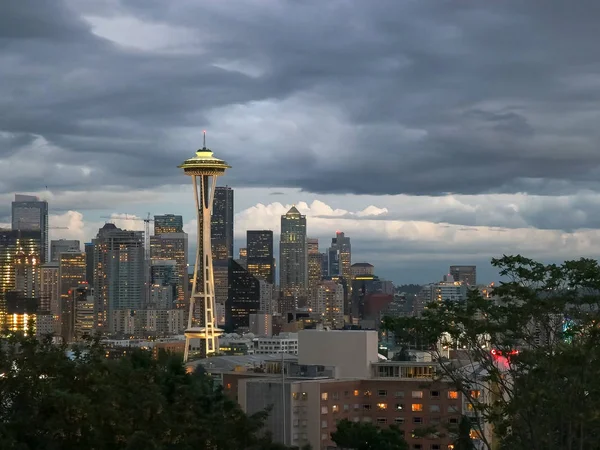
column 83, row 312
column 29, row 213
column 315, row 269
column 329, row 303
column 15, row 245
column 59, row 246
column 174, row 247
column 340, row 256
column 119, row 276
column 50, row 293
column 464, row 274
column 293, row 264
column 168, row 223
column 71, row 273
column 244, row 297
column 222, row 240
column 259, row 254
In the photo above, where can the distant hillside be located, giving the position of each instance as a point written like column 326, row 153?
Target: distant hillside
column 409, row 288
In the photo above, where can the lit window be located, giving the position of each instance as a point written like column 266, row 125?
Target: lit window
column 323, row 409
column 304, row 396
column 367, row 393
column 356, row 392
column 335, row 408
column 381, row 406
column 453, row 395
column 470, row 407
column 417, row 394
column 475, row 394
column 296, row 395
column 399, row 406
column 417, row 407
column 324, row 396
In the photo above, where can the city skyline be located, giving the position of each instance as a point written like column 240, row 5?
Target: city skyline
column 429, row 153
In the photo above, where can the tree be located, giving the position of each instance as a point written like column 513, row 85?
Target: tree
column 366, row 436
column 49, row 401
column 463, row 440
column 525, row 360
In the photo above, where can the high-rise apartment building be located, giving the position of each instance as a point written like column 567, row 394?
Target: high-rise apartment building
column 329, row 303
column 259, row 254
column 221, row 229
column 293, row 261
column 50, row 293
column 173, row 247
column 168, row 223
column 63, row 245
column 119, row 277
column 340, row 256
column 15, row 244
column 244, row 297
column 82, row 298
column 27, row 275
column 71, row 273
column 315, row 269
column 29, row 213
column 465, row 274
column 164, row 282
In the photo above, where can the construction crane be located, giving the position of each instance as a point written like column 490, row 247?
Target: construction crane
column 146, row 221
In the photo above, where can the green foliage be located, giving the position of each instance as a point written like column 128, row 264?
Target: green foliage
column 366, row 436
column 49, row 401
column 545, row 397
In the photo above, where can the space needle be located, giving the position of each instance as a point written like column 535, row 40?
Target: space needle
column 204, row 169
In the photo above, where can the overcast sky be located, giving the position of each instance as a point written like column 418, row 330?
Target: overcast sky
column 432, row 132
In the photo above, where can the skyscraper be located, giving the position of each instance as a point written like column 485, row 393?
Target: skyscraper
column 244, row 297
column 293, row 276
column 168, row 223
column 29, row 213
column 173, row 247
column 340, row 256
column 204, row 169
column 119, row 277
column 221, row 225
column 315, row 270
column 466, row 274
column 330, row 303
column 259, row 254
column 50, row 293
column 71, row 274
column 58, row 246
column 15, row 244
column 89, row 262
column 222, row 240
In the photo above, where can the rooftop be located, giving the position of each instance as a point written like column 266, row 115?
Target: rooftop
column 229, row 363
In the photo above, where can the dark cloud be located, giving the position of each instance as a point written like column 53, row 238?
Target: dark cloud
column 417, row 97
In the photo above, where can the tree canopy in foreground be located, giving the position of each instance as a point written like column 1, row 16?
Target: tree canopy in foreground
column 366, row 436
column 49, row 401
column 527, row 359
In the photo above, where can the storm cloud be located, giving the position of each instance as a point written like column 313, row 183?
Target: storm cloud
column 472, row 113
